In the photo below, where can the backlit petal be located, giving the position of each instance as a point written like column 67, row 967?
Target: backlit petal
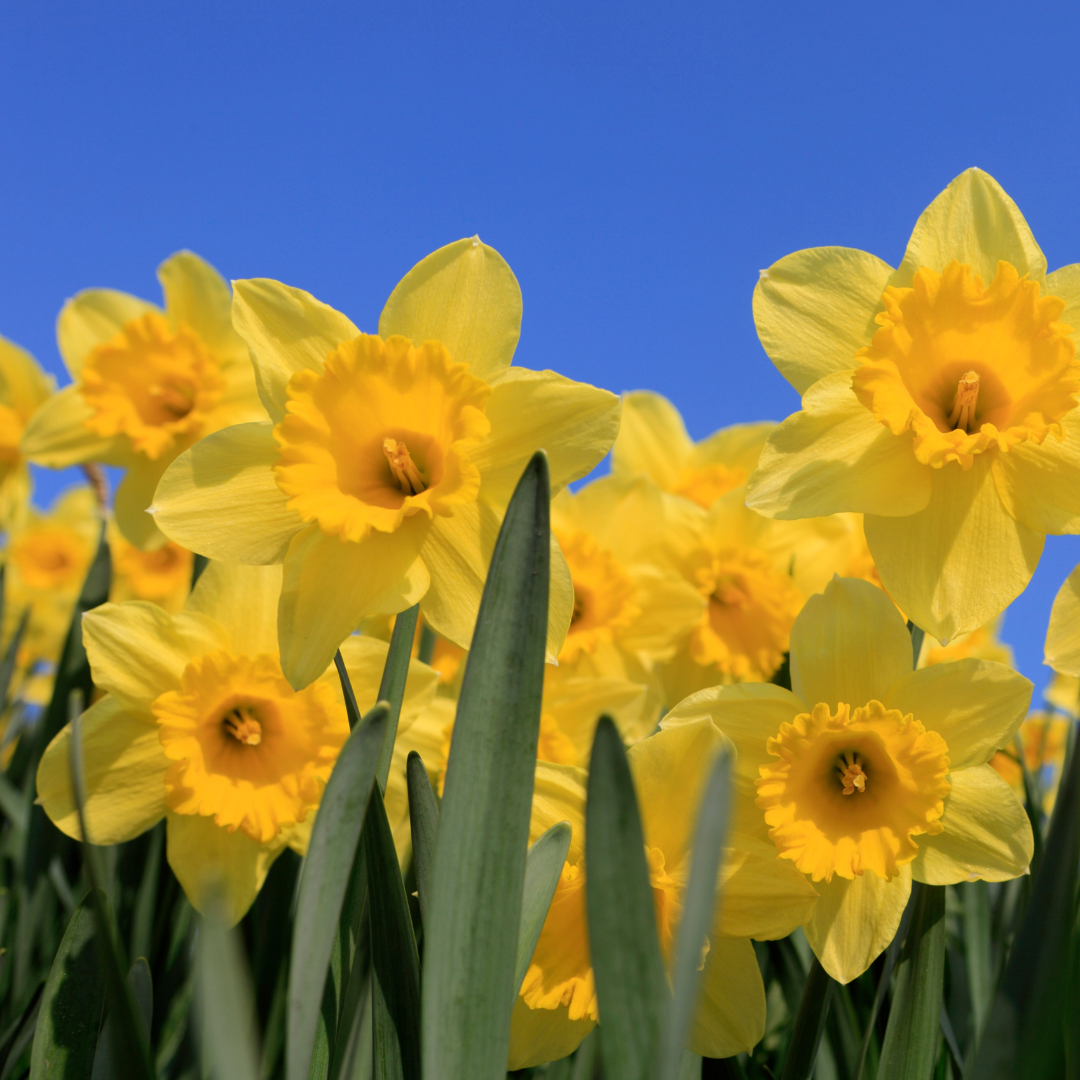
column 730, row 1017
column 1063, row 634
column 764, row 897
column 243, row 601
column 91, row 317
column 23, row 383
column 652, row 439
column 57, row 435
column 133, row 496
column 539, row 1035
column 198, row 296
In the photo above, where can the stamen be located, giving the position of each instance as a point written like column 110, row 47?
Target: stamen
column 853, row 778
column 402, row 466
column 241, row 724
column 967, row 394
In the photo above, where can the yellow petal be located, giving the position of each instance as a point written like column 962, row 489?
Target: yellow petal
column 730, row 1017
column 212, row 863
column 365, row 658
column 848, row 645
column 539, row 410
column 133, row 496
column 92, row 317
column 198, row 296
column 652, row 439
column 738, row 446
column 243, row 601
column 576, row 705
column 329, row 586
column 125, row 774
column 976, row 706
column 855, row 921
column 23, row 384
column 539, row 1035
column 670, row 608
column 138, row 651
column 815, row 308
column 764, row 897
column 834, row 456
column 1040, row 484
column 1063, row 634
column 935, row 563
column 15, row 490
column 628, row 515
column 57, row 436
column 287, row 330
column 986, row 833
column 465, row 296
column 220, row 498
column 975, row 222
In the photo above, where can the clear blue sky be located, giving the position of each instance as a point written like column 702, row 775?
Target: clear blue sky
column 635, row 164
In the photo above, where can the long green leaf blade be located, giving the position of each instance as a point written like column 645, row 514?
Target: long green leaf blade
column 324, row 881
column 106, row 1064
column 809, row 1024
column 543, row 868
column 631, row 984
column 392, row 686
column 424, row 826
column 479, row 867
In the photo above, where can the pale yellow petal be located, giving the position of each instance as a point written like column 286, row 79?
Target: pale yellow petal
column 92, row 317
column 975, row 222
column 849, row 645
column 287, row 330
column 854, row 921
column 738, row 446
column 539, row 1035
column 1063, row 634
column 23, row 383
column 464, row 295
column 652, row 439
column 329, row 586
column 57, row 435
column 133, row 496
column 670, row 608
column 976, row 706
column 576, row 705
column 243, row 601
column 220, row 498
column 764, row 896
column 987, row 833
column 212, row 863
column 955, row 565
column 124, row 768
column 199, row 297
column 814, row 309
column 138, row 651
column 365, row 658
column 834, row 456
column 15, row 490
column 730, row 1017
column 574, row 423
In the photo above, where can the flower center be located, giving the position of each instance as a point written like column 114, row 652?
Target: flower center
column 704, row 485
column 51, row 557
column 247, row 749
column 383, row 433
column 604, row 595
column 747, row 622
column 898, row 769
column 152, row 382
column 966, row 367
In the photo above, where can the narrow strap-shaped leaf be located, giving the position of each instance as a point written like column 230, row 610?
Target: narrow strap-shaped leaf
column 809, row 1024
column 426, row 650
column 395, row 966
column 324, row 880
column 7, row 664
column 392, row 687
column 140, row 983
column 424, row 826
column 70, row 1015
column 701, row 901
column 543, row 868
column 977, row 949
column 631, row 984
column 911, row 1038
column 1024, row 1032
column 479, row 867
column 19, row 1034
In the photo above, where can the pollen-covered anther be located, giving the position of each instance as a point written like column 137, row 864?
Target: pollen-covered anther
column 241, row 724
column 853, row 778
column 403, row 467
column 962, row 416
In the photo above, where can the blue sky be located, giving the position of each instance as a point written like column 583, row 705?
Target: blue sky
column 636, row 165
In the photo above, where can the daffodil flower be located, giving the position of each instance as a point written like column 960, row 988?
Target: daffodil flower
column 868, row 774
column 763, row 897
column 939, row 399
column 146, row 384
column 23, row 389
column 382, row 473
column 162, row 574
column 200, row 727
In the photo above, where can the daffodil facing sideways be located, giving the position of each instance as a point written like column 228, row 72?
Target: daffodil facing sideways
column 763, row 897
column 939, row 399
column 23, row 389
column 381, row 469
column 146, row 384
column 867, row 774
column 200, row 727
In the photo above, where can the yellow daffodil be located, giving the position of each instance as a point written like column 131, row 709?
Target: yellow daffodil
column 1044, row 739
column 982, row 644
column 23, row 388
column 653, row 442
column 869, row 774
column 162, row 575
column 763, row 897
column 146, row 384
column 1063, row 633
column 1062, row 693
column 382, row 472
column 200, row 727
column 939, row 399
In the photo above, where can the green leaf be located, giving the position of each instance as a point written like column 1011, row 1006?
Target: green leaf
column 324, row 880
column 479, row 866
column 424, row 825
column 631, row 984
column 70, row 1012
column 809, row 1024
column 392, row 687
column 395, row 966
column 11, row 653
column 910, row 1048
column 226, row 1005
column 140, row 983
column 19, row 1034
column 700, row 903
column 1023, row 1035
column 543, row 868
column 978, row 958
